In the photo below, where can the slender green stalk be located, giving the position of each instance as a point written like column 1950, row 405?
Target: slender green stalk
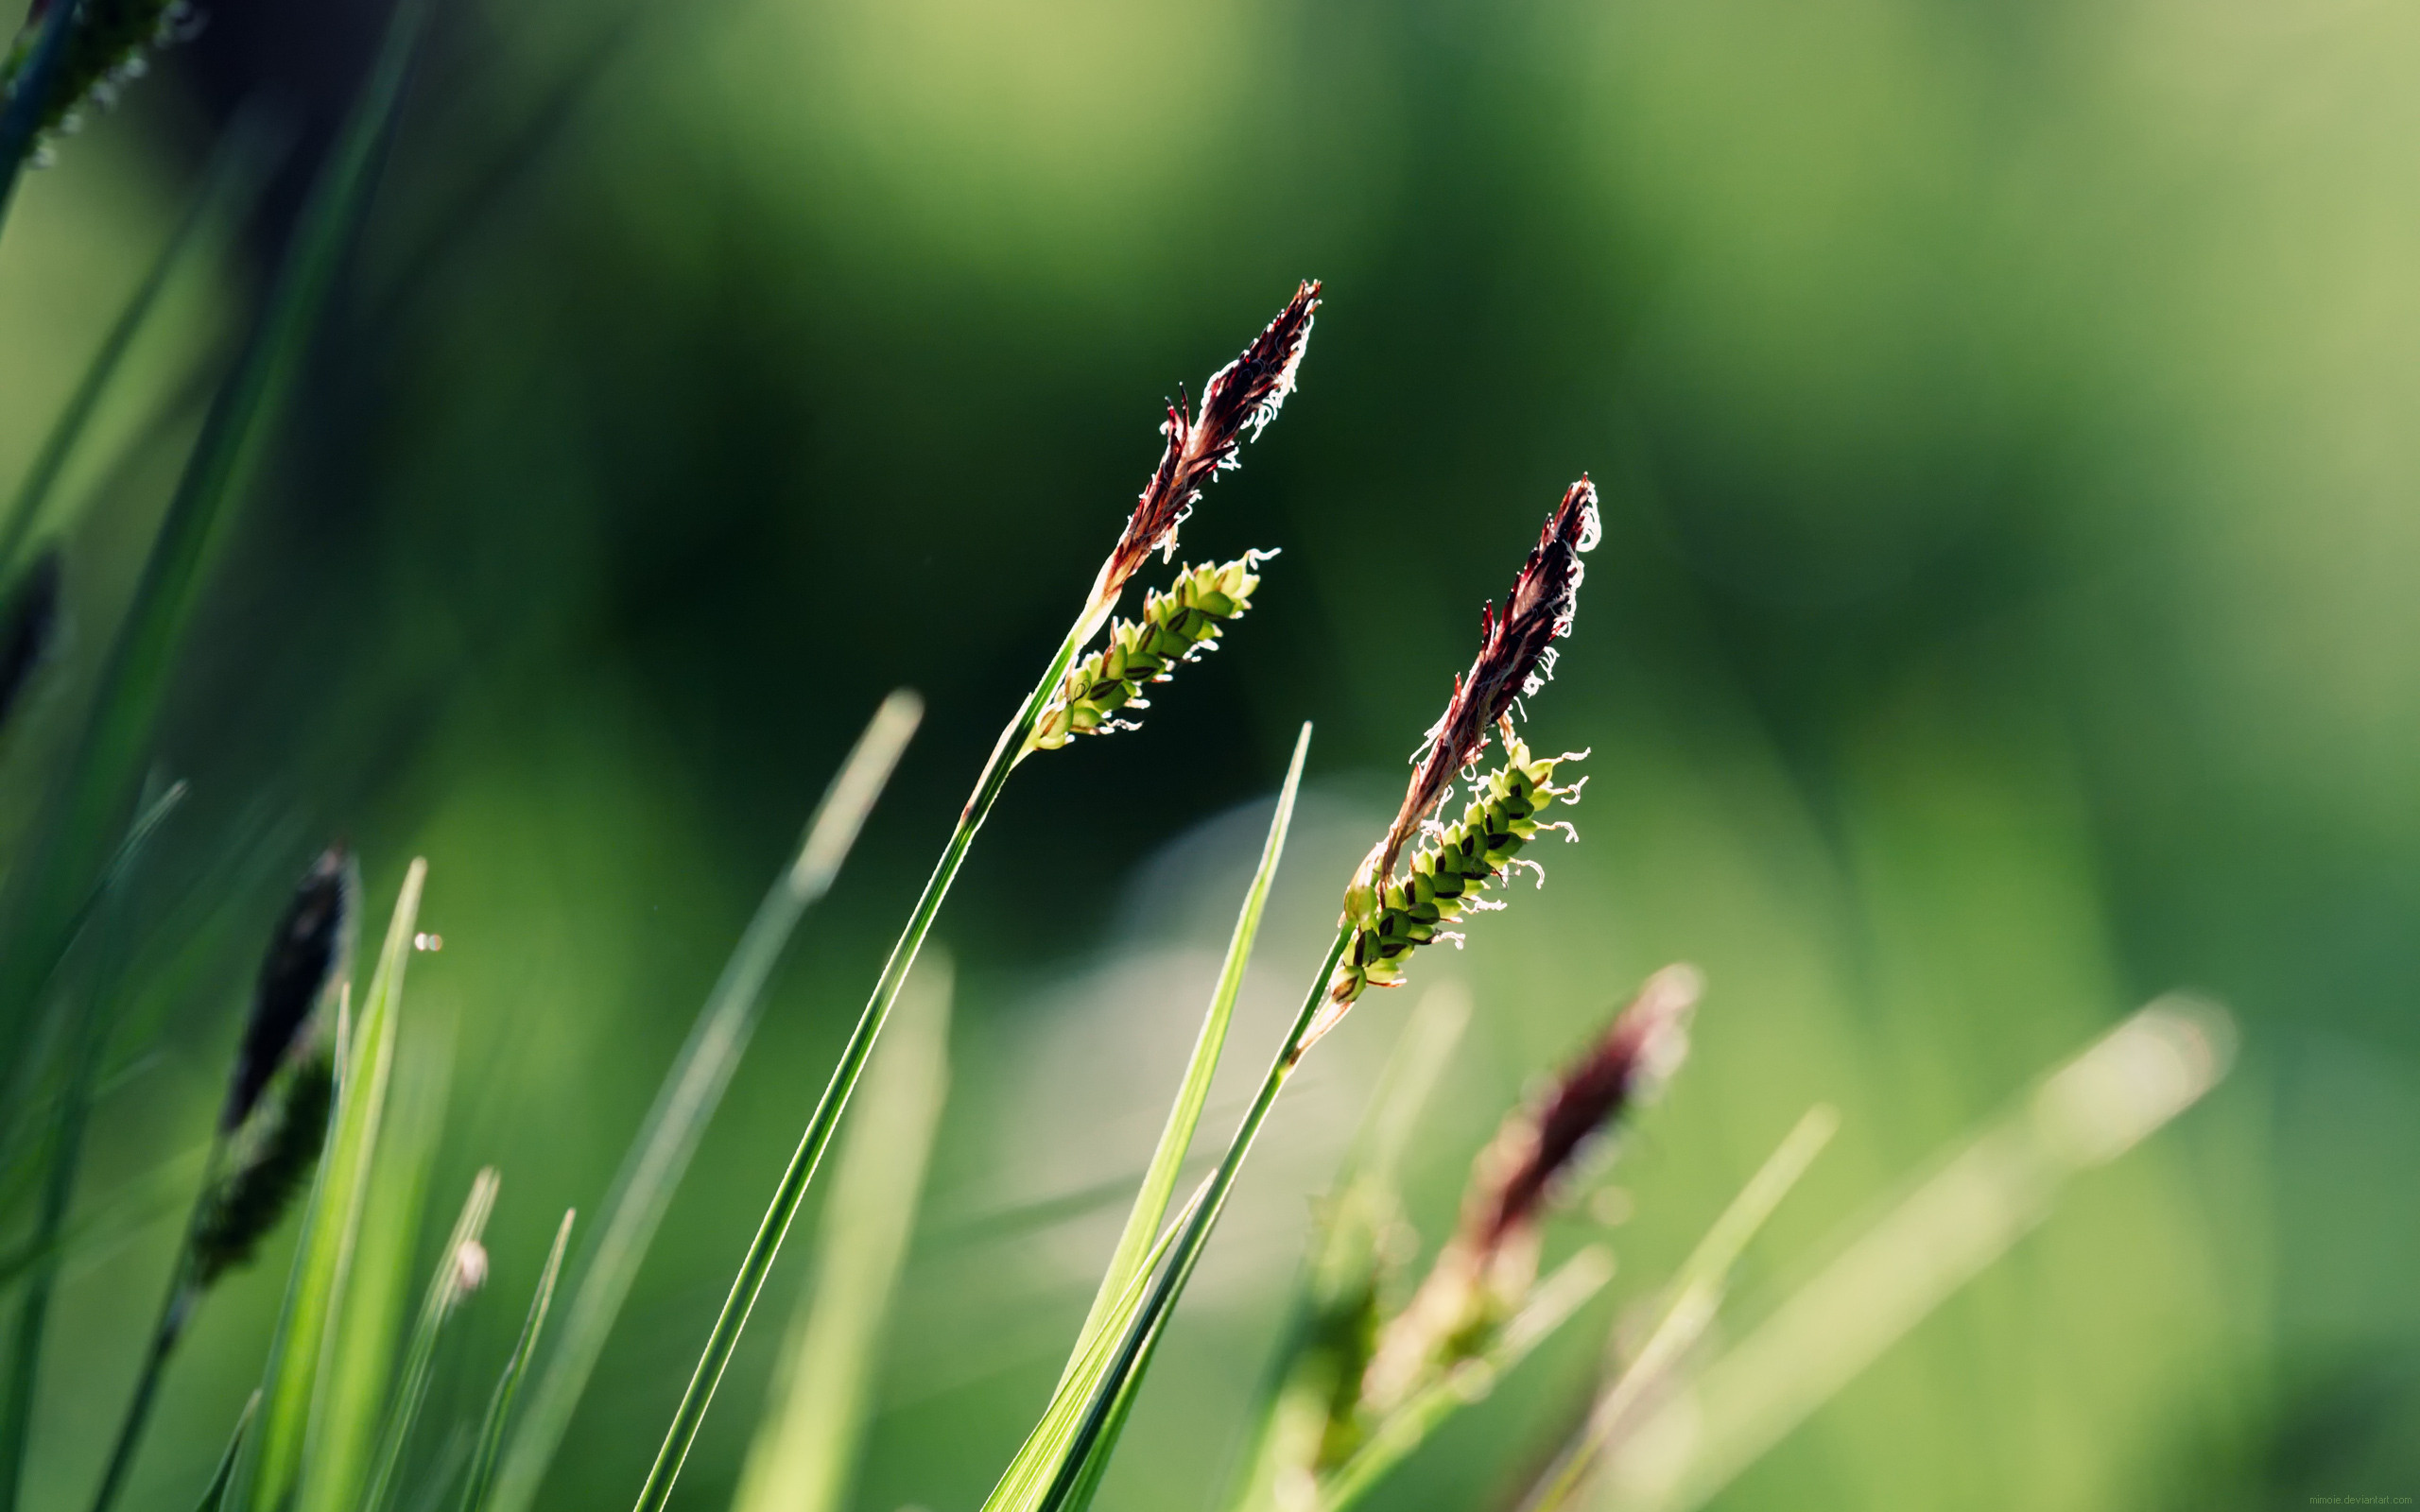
column 758, row 1261
column 490, row 1440
column 271, row 1466
column 807, row 1446
column 1690, row 1304
column 692, row 1089
column 448, row 1287
column 216, row 1492
column 65, row 1147
column 1159, row 1181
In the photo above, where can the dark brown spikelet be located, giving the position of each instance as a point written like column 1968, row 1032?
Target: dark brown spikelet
column 1642, row 1047
column 311, row 949
column 268, row 1160
column 1516, row 657
column 28, row 631
column 1238, row 404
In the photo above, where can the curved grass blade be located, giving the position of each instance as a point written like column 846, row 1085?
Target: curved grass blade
column 237, row 171
column 1990, row 1194
column 215, row 1494
column 758, row 1261
column 691, row 1090
column 1690, row 1303
column 96, row 782
column 447, row 1288
column 490, row 1440
column 806, row 1446
column 271, row 1467
column 1159, row 1181
column 64, row 1147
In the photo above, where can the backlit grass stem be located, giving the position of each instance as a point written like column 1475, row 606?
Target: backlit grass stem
column 1238, row 400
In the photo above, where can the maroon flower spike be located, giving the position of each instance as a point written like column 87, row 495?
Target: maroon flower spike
column 1642, row 1047
column 1240, row 399
column 1516, row 657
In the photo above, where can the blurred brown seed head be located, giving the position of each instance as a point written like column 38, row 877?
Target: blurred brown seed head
column 311, row 949
column 1239, row 401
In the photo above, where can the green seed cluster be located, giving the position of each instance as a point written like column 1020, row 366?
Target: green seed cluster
column 1177, row 626
column 110, row 42
column 1448, row 874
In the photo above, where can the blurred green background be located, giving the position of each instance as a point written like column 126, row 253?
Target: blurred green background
column 2006, row 416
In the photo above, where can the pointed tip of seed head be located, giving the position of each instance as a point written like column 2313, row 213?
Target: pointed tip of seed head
column 1238, row 404
column 311, row 948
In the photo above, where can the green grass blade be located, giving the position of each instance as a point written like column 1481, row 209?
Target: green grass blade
column 1150, row 1208
column 490, row 1440
column 215, row 1494
column 447, row 1288
column 806, row 1446
column 235, row 171
column 1045, row 1447
column 758, row 1261
column 1989, row 1194
column 1104, row 1415
column 64, row 1146
column 1689, row 1303
column 1343, row 1257
column 1409, row 1426
column 692, row 1089
column 350, row 1398
column 272, row 1470
column 98, row 780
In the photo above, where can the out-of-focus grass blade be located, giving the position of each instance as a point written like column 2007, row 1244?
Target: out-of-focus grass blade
column 448, row 1285
column 214, row 1494
column 268, row 1475
column 97, row 780
column 64, row 1145
column 1985, row 1197
column 691, row 1090
column 1689, row 1303
column 1343, row 1254
column 236, row 173
column 1550, row 1306
column 357, row 1357
column 807, row 1446
column 1159, row 1181
column 474, row 1489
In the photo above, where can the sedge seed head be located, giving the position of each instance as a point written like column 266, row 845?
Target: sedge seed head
column 1179, row 623
column 1238, row 404
column 309, row 952
column 266, row 1163
column 109, row 45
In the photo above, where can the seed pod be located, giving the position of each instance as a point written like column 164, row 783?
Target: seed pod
column 1180, row 625
column 28, row 630
column 311, row 953
column 1449, row 874
column 1238, row 404
column 1485, row 1272
column 109, row 45
column 265, row 1161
